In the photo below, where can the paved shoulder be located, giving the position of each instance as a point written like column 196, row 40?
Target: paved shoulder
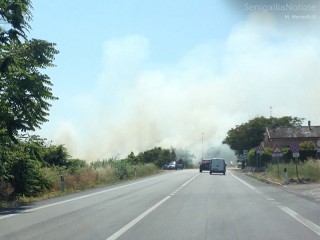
column 311, row 190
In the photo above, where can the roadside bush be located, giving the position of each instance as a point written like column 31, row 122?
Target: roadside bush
column 121, row 169
column 80, row 180
column 28, row 178
column 254, row 160
column 105, row 175
column 6, row 189
column 145, row 169
column 306, row 154
column 75, row 165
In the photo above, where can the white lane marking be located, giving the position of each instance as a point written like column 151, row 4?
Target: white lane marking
column 7, row 216
column 270, row 199
column 315, row 228
column 75, row 199
column 136, row 220
column 143, row 215
column 245, row 183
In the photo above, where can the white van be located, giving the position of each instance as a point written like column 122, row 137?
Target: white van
column 218, row 165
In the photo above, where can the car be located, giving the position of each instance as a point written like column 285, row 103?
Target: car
column 173, row 166
column 218, row 165
column 204, row 165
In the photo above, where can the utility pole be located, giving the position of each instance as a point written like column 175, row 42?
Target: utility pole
column 202, row 147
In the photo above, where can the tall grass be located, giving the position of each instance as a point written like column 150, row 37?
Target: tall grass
column 86, row 178
column 308, row 171
column 78, row 179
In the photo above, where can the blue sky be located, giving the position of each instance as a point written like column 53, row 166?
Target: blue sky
column 136, row 74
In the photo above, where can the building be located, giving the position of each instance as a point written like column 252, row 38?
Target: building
column 285, row 136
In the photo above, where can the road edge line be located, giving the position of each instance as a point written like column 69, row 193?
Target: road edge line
column 312, row 226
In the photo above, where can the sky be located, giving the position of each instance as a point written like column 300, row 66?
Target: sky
column 132, row 75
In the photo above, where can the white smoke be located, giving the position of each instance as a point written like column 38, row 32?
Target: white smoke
column 217, row 85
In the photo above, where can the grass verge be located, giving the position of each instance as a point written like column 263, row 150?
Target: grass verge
column 308, row 172
column 83, row 179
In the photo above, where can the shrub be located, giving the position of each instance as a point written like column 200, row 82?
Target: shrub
column 28, row 177
column 6, row 189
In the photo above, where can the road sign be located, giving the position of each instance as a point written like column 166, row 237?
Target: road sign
column 276, row 151
column 294, row 148
column 295, row 155
column 245, row 154
column 260, row 149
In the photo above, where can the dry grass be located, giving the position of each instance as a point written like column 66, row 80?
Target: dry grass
column 89, row 178
column 307, row 172
column 82, row 179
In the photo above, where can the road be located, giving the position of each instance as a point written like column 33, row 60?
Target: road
column 174, row 205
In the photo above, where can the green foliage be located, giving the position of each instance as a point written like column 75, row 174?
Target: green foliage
column 27, row 176
column 307, row 154
column 75, row 165
column 30, row 167
column 121, row 169
column 151, row 155
column 134, row 160
column 99, row 164
column 25, row 92
column 157, row 155
column 250, row 134
column 307, row 151
column 286, row 154
column 307, row 145
column 56, row 155
column 24, row 89
column 16, row 14
column 257, row 160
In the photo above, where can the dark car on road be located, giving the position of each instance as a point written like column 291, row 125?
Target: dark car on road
column 204, row 165
column 173, row 166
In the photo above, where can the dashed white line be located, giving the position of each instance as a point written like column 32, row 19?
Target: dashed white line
column 136, row 220
column 143, row 215
column 312, row 226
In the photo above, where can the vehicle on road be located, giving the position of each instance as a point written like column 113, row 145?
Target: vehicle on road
column 218, row 165
column 204, row 165
column 173, row 166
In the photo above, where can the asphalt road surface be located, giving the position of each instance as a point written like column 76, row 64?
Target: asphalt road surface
column 175, row 205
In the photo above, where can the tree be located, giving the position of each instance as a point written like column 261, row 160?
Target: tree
column 24, row 89
column 308, row 150
column 22, row 166
column 250, row 134
column 56, row 155
column 27, row 177
column 25, row 92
